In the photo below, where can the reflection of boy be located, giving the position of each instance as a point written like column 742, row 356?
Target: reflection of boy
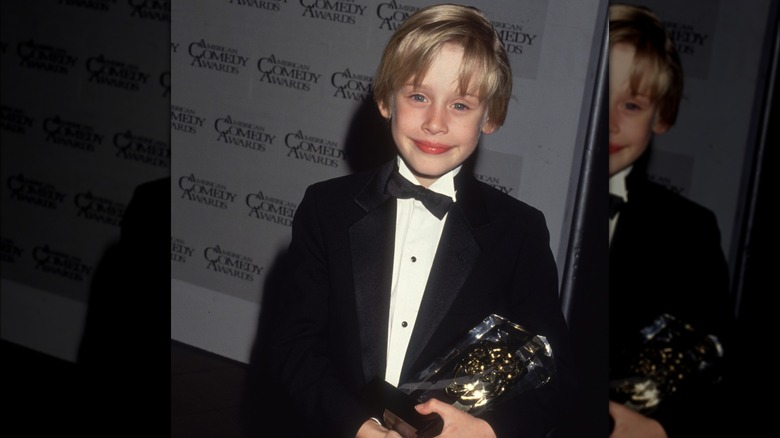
column 380, row 287
column 665, row 254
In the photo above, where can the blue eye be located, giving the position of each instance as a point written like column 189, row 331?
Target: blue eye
column 418, row 98
column 460, row 107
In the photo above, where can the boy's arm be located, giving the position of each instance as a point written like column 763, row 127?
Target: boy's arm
column 300, row 344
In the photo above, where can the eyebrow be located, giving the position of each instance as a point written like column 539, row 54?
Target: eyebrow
column 422, row 87
column 641, row 96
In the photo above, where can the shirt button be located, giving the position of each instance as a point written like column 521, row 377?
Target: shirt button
column 404, row 324
column 414, row 259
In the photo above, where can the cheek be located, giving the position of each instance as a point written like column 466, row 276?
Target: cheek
column 635, row 130
column 640, row 137
column 473, row 130
column 404, row 117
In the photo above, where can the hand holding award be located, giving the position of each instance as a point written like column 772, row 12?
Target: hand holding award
column 671, row 356
column 494, row 358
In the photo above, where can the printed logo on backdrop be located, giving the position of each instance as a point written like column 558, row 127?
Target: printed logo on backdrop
column 35, row 192
column 499, row 170
column 185, row 120
column 344, row 11
column 97, row 209
column 691, row 28
column 523, row 43
column 142, row 150
column 14, row 120
column 165, row 83
column 497, row 183
column 243, row 134
column 269, row 209
column 205, row 192
column 693, row 44
column 71, row 134
column 287, row 74
column 9, row 251
column 116, row 74
column 231, row 264
column 522, row 31
column 157, row 10
column 516, row 39
column 44, row 57
column 392, row 14
column 60, row 263
column 215, row 57
column 96, row 5
column 180, row 251
column 313, row 149
column 351, row 86
column 269, row 5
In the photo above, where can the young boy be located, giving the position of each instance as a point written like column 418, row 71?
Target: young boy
column 379, row 286
column 665, row 253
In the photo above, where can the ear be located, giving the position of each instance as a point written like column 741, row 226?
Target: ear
column 384, row 110
column 488, row 127
column 659, row 126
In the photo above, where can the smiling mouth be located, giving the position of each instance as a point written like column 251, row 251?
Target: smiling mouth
column 431, row 148
column 614, row 148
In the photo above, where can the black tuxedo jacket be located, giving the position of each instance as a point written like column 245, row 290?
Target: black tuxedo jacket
column 666, row 257
column 330, row 336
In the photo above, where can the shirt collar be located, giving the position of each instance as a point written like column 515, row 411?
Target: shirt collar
column 444, row 185
column 617, row 183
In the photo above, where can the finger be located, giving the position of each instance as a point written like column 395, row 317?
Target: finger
column 424, row 408
column 614, row 408
column 432, row 405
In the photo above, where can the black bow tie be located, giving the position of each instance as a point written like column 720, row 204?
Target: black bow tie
column 402, row 188
column 615, row 205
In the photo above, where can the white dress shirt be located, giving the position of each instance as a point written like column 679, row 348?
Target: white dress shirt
column 417, row 234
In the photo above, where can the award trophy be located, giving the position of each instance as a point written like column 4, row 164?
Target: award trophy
column 670, row 356
column 494, row 358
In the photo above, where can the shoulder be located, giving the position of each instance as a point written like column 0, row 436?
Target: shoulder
column 663, row 214
column 674, row 203
column 350, row 194
column 345, row 186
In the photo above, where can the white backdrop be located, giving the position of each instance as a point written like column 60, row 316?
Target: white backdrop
column 271, row 96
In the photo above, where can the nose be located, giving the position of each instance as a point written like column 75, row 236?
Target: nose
column 435, row 120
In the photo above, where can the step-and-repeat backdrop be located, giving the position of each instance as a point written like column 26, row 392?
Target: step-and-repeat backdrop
column 271, row 96
column 84, row 119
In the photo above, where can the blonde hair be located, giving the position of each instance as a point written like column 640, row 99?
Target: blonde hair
column 656, row 61
column 412, row 48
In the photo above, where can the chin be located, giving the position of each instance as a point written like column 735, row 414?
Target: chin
column 431, row 170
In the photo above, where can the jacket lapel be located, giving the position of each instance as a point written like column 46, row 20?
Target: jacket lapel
column 371, row 240
column 455, row 257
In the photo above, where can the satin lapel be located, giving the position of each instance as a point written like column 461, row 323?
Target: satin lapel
column 455, row 258
column 371, row 241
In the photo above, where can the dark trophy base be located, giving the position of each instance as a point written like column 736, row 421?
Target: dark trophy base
column 399, row 412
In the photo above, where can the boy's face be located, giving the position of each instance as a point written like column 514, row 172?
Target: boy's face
column 632, row 117
column 435, row 128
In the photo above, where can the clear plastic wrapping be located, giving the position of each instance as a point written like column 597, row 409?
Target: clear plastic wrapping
column 494, row 358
